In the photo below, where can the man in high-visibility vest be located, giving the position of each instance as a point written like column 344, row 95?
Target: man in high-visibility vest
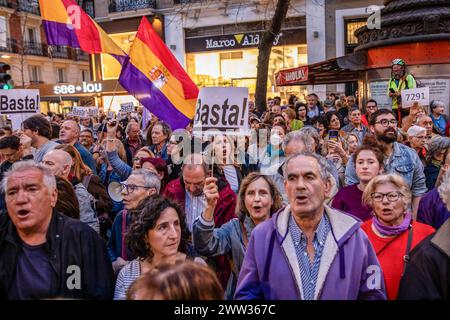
column 399, row 80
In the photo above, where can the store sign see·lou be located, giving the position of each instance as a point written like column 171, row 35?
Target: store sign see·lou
column 85, row 87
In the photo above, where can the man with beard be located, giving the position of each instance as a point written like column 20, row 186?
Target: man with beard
column 398, row 158
column 399, row 81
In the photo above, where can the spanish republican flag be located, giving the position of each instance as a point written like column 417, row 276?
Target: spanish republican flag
column 155, row 77
column 66, row 24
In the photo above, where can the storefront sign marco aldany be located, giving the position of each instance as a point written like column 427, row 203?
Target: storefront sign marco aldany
column 244, row 40
column 83, row 88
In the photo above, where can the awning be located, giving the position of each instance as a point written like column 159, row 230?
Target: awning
column 337, row 70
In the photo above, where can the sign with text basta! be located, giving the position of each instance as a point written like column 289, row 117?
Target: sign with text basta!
column 222, row 110
column 85, row 112
column 420, row 95
column 127, row 107
column 19, row 101
column 18, row 105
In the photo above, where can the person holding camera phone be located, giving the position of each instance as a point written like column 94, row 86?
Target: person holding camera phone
column 332, row 147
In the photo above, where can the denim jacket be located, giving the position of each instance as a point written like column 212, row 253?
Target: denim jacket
column 404, row 162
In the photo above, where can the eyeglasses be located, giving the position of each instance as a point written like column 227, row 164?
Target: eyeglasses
column 386, row 122
column 391, row 196
column 130, row 188
column 420, row 137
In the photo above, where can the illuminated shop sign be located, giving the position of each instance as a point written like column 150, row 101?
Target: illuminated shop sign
column 243, row 40
column 85, row 87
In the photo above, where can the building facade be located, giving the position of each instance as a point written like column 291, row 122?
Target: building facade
column 35, row 64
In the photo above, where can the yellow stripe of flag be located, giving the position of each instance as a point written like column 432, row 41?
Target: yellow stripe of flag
column 144, row 59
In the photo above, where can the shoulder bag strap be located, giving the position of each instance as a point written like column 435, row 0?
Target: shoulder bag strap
column 408, row 248
column 124, row 229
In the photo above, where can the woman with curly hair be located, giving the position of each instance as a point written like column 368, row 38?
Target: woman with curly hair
column 157, row 236
column 258, row 199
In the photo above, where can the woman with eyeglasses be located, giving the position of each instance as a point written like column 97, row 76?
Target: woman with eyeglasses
column 115, row 157
column 436, row 148
column 391, row 230
column 139, row 186
column 158, row 236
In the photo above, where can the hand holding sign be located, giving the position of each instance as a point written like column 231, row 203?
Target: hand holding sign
column 420, row 95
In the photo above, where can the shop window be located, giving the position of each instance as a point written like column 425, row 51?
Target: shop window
column 237, row 68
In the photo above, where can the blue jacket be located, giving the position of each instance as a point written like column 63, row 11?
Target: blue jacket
column 122, row 169
column 404, row 162
column 226, row 240
column 349, row 268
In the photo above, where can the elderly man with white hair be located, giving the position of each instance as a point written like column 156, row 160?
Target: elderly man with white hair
column 43, row 253
column 59, row 163
column 417, row 137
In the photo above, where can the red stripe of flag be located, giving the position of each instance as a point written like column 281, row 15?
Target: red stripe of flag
column 88, row 35
column 148, row 35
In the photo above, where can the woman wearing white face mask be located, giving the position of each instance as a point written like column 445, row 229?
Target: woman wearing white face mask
column 258, row 200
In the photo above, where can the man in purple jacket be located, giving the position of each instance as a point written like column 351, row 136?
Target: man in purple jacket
column 308, row 250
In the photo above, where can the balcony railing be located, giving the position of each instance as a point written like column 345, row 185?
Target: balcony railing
column 60, row 52
column 34, row 48
column 81, row 55
column 6, row 3
column 29, row 6
column 128, row 5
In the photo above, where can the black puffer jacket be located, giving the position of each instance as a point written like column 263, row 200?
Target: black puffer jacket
column 69, row 243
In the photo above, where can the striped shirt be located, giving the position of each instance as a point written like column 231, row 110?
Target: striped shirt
column 194, row 208
column 309, row 271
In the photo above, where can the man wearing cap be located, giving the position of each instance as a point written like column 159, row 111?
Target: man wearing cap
column 416, row 140
column 399, row 81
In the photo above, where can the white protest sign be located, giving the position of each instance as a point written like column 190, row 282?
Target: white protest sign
column 127, row 107
column 19, row 101
column 111, row 115
column 122, row 115
column 420, row 95
column 222, row 110
column 85, row 112
column 18, row 105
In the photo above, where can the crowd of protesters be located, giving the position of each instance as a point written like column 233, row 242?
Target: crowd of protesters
column 332, row 200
